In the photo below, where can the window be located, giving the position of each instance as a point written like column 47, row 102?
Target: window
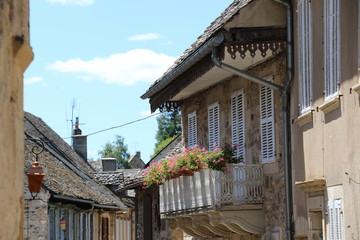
column 335, row 220
column 267, row 123
column 192, row 129
column 104, row 228
column 332, row 48
column 238, row 123
column 305, row 55
column 214, row 126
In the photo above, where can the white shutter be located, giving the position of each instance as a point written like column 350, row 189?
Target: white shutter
column 214, row 125
column 305, row 55
column 335, row 220
column 267, row 124
column 238, row 123
column 332, row 48
column 192, row 129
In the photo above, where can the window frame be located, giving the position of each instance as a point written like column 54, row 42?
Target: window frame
column 305, row 55
column 192, row 129
column 238, row 123
column 332, row 49
column 214, row 125
column 267, row 123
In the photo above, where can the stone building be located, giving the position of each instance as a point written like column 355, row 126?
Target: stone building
column 135, row 161
column 229, row 84
column 325, row 113
column 15, row 56
column 71, row 203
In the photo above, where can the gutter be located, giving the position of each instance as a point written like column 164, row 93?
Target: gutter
column 190, row 61
column 285, row 97
column 92, row 203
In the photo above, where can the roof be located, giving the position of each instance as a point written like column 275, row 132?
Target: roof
column 117, row 177
column 66, row 173
column 209, row 32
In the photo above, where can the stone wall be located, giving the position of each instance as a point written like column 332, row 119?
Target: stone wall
column 36, row 216
column 160, row 228
column 15, row 56
column 274, row 181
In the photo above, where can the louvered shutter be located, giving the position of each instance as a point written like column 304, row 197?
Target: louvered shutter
column 267, row 124
column 192, row 129
column 214, row 126
column 332, row 48
column 238, row 123
column 335, row 220
column 305, row 55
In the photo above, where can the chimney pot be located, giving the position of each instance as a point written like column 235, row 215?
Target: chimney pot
column 108, row 164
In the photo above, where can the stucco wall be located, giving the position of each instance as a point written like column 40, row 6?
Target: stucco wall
column 274, row 180
column 15, row 56
column 328, row 145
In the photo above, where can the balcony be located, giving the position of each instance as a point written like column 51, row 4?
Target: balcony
column 205, row 191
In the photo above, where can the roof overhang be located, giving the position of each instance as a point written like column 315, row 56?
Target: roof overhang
column 241, row 48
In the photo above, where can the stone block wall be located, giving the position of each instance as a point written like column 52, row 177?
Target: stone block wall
column 15, row 56
column 274, row 179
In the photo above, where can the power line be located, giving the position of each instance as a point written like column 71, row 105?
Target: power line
column 122, row 125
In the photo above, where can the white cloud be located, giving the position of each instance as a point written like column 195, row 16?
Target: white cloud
column 128, row 68
column 72, row 2
column 31, row 80
column 144, row 37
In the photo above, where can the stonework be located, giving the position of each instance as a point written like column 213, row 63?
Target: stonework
column 273, row 172
column 15, row 56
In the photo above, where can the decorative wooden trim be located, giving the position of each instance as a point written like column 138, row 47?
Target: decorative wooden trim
column 304, row 118
column 330, row 105
column 315, row 185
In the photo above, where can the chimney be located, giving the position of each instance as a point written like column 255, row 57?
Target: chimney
column 79, row 141
column 108, row 164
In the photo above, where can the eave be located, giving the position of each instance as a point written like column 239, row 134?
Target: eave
column 253, row 45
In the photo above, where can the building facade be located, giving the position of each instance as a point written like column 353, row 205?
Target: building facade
column 71, row 203
column 229, row 85
column 325, row 112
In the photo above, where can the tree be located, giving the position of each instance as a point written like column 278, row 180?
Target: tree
column 169, row 125
column 117, row 149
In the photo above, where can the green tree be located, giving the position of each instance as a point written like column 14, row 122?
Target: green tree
column 162, row 145
column 169, row 126
column 117, row 149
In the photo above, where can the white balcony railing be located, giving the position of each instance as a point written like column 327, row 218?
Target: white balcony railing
column 239, row 185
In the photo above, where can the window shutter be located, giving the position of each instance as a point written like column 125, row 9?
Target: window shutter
column 335, row 219
column 214, row 125
column 267, row 124
column 238, row 123
column 305, row 55
column 332, row 48
column 192, row 129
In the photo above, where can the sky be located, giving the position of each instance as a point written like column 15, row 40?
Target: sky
column 95, row 58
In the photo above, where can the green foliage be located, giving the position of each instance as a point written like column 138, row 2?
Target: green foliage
column 117, row 149
column 186, row 163
column 162, row 145
column 169, row 125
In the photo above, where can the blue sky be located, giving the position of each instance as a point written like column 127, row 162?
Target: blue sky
column 100, row 56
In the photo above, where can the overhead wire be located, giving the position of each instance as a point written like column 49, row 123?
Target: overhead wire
column 122, row 125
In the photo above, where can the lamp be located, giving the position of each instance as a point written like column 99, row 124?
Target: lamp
column 35, row 174
column 63, row 224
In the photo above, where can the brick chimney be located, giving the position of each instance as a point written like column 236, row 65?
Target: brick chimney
column 79, row 141
column 108, row 164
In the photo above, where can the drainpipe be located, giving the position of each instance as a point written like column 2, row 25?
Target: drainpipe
column 285, row 97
